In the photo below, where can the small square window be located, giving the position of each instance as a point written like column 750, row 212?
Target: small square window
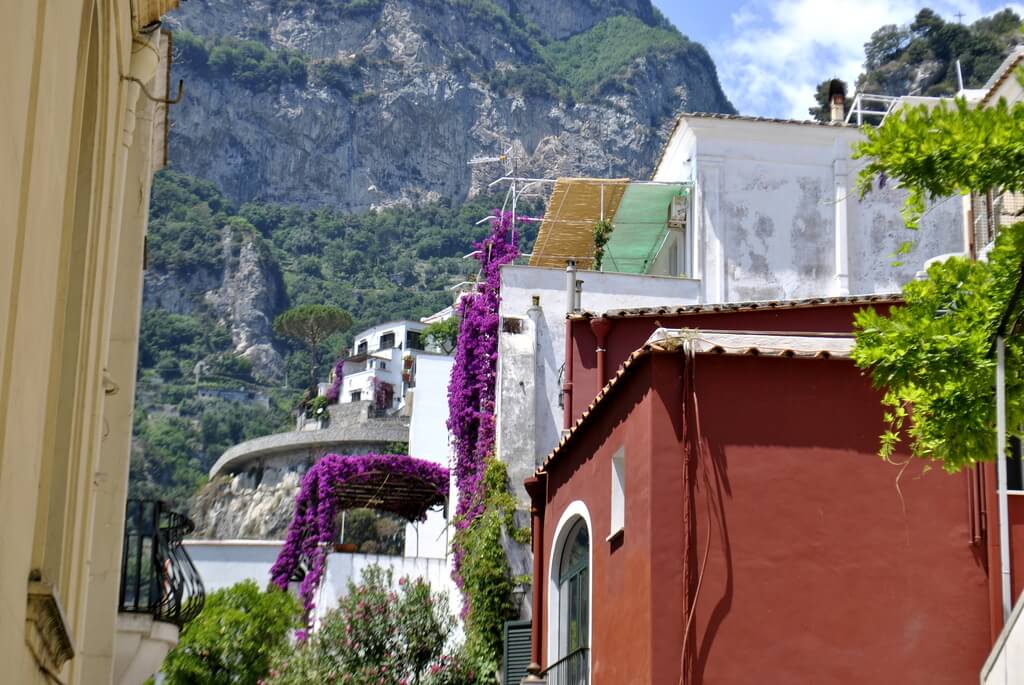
column 618, row 494
column 387, row 341
column 356, row 395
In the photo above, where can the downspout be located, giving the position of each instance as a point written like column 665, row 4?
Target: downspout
column 570, row 308
column 601, row 327
column 1004, row 518
column 536, row 487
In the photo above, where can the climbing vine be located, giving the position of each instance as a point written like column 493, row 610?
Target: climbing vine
column 602, row 234
column 472, row 382
column 333, row 393
column 487, row 582
column 485, row 508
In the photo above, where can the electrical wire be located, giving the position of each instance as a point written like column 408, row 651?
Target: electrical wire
column 690, row 392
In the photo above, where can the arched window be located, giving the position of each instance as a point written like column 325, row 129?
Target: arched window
column 574, row 591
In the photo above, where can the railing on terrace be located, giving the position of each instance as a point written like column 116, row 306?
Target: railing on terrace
column 991, row 212
column 573, row 669
column 870, row 109
column 157, row 575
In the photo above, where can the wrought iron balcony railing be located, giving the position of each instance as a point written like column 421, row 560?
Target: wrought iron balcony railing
column 572, row 669
column 157, row 575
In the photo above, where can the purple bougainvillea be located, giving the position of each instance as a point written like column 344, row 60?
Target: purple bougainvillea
column 323, row 495
column 334, row 392
column 472, row 383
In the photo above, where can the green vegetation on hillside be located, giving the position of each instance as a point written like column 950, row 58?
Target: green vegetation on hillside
column 932, row 46
column 248, row 62
column 594, row 60
column 378, row 266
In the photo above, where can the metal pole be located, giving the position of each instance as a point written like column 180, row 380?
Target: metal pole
column 1004, row 531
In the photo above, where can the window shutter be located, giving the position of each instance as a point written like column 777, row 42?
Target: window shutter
column 517, row 652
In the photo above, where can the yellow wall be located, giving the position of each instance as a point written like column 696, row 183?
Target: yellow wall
column 75, row 167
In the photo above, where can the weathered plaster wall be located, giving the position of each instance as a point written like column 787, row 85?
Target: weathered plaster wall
column 777, row 215
column 877, row 231
column 529, row 422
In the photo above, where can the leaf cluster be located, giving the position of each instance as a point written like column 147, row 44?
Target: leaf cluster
column 945, row 151
column 933, row 357
column 378, row 635
column 442, row 334
column 929, row 47
column 487, row 581
column 234, row 638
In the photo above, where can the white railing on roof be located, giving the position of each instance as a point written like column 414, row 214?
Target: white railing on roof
column 872, row 109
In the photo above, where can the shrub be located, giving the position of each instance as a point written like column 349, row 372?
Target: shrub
column 234, row 638
column 256, row 66
column 378, row 635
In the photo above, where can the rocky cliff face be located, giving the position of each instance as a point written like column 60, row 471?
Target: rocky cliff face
column 245, row 301
column 401, row 94
column 243, row 297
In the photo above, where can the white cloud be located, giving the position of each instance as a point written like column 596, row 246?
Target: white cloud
column 779, row 51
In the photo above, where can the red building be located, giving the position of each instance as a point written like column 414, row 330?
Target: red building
column 717, row 513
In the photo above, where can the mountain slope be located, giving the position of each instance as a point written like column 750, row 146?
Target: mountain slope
column 369, row 103
column 321, row 156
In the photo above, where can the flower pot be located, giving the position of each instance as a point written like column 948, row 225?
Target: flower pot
column 345, row 547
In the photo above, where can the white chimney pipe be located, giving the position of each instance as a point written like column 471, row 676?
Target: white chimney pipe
column 570, row 286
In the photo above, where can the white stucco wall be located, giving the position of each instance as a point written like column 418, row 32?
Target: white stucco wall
column 529, row 416
column 777, row 215
column 342, row 568
column 429, row 439
column 223, row 563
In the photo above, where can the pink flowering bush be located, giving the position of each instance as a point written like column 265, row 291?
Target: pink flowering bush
column 312, row 528
column 379, row 634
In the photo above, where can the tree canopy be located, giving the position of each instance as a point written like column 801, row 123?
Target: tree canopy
column 234, row 639
column 933, row 355
column 312, row 324
column 443, row 334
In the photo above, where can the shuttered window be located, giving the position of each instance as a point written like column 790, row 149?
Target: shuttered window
column 517, row 651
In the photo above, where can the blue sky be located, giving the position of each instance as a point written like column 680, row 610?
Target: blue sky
column 771, row 54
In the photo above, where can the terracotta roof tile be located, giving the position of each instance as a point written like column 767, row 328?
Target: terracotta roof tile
column 888, row 298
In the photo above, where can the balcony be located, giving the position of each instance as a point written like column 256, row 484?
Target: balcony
column 157, row 575
column 573, row 669
column 160, row 589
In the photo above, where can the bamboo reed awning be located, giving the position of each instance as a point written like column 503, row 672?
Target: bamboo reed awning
column 567, row 230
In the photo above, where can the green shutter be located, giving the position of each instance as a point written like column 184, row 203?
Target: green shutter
column 517, row 652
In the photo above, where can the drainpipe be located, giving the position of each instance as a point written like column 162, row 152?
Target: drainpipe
column 601, row 327
column 536, row 487
column 570, row 308
column 1004, row 525
column 1004, row 518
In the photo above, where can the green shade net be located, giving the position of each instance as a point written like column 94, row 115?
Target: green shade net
column 639, row 227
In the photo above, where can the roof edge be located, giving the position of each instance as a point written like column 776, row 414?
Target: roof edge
column 810, row 345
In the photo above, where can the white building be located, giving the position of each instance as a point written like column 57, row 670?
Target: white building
column 738, row 209
column 380, row 368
